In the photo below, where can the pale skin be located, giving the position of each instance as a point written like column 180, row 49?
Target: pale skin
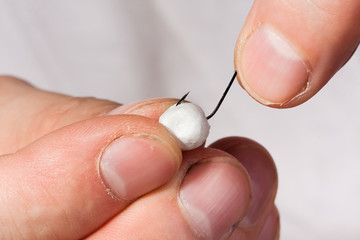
column 59, row 174
column 51, row 148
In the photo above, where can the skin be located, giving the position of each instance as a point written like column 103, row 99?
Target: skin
column 51, row 189
column 323, row 33
column 52, row 146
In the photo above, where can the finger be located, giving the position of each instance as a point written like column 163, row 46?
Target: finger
column 28, row 113
column 288, row 50
column 263, row 176
column 271, row 230
column 207, row 198
column 58, row 187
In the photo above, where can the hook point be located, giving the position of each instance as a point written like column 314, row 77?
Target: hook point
column 183, row 98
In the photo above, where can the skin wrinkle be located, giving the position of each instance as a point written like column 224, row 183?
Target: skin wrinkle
column 17, row 230
column 20, row 192
column 51, row 115
column 55, row 112
column 290, row 6
column 65, row 215
column 318, row 6
column 310, row 4
column 29, row 218
column 8, row 234
column 16, row 226
column 328, row 7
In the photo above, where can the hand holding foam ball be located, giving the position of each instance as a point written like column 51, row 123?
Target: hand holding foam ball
column 188, row 123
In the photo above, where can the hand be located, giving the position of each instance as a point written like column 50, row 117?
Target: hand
column 288, row 49
column 81, row 167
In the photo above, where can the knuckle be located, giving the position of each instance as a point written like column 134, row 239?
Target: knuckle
column 7, row 81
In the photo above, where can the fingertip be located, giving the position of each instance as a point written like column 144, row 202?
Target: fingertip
column 271, row 229
column 206, row 200
column 59, row 173
column 284, row 59
column 135, row 164
column 271, row 69
column 214, row 194
column 261, row 169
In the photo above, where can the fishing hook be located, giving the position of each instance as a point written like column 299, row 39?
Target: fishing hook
column 221, row 99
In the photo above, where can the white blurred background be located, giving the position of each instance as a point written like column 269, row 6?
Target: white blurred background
column 127, row 50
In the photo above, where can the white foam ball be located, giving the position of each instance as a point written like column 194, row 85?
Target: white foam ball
column 188, row 123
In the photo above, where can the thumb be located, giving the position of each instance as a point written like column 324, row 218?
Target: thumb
column 288, row 50
column 57, row 187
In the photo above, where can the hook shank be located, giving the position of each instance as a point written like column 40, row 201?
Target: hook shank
column 223, row 96
column 221, row 99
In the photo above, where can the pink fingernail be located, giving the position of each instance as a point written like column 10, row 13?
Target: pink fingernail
column 134, row 165
column 272, row 70
column 214, row 196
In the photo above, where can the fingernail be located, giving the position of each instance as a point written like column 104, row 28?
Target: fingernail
column 214, row 196
column 119, row 110
column 134, row 165
column 263, row 176
column 272, row 71
column 271, row 229
column 151, row 108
